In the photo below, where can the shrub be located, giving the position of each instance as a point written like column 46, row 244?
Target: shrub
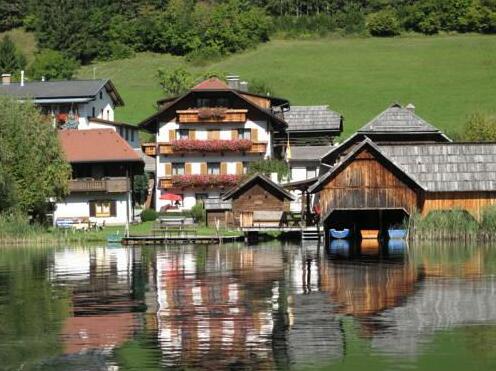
column 267, row 167
column 383, row 23
column 488, row 222
column 52, row 64
column 204, row 55
column 198, row 212
column 480, row 127
column 149, row 215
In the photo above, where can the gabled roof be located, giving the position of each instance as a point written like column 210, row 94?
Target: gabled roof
column 96, row 145
column 249, row 182
column 372, row 147
column 447, row 167
column 209, row 85
column 396, row 119
column 308, row 153
column 313, row 118
column 212, row 83
column 57, row 90
column 113, row 123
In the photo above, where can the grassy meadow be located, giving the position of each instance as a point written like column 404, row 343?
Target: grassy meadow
column 446, row 77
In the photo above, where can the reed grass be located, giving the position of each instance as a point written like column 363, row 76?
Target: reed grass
column 455, row 224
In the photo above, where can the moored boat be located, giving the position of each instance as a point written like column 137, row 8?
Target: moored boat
column 340, row 234
column 397, row 233
column 369, row 234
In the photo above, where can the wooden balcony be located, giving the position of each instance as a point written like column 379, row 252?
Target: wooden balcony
column 108, row 185
column 168, row 149
column 211, row 115
column 198, row 181
column 149, row 149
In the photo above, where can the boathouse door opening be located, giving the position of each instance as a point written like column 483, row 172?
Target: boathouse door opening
column 358, row 219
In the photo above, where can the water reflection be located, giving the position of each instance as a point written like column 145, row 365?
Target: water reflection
column 269, row 306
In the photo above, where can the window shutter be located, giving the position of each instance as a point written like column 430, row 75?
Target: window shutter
column 92, row 208
column 239, row 168
column 234, row 134
column 187, row 168
column 113, row 208
column 223, row 168
column 203, row 168
column 168, row 169
column 172, row 135
column 213, row 134
column 254, row 135
column 192, row 134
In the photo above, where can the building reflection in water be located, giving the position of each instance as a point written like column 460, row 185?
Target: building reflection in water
column 271, row 306
column 104, row 301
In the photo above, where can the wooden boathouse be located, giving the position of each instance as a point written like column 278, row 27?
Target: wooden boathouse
column 376, row 184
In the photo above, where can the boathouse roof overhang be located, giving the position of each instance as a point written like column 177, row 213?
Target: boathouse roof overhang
column 257, row 178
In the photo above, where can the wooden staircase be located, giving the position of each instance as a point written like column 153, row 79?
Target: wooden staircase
column 312, row 233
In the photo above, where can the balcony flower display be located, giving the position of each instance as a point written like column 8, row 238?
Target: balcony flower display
column 214, row 145
column 204, row 180
column 217, row 113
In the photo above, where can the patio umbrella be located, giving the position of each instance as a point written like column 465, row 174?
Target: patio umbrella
column 170, row 197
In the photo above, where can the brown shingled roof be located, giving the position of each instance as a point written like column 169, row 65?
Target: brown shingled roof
column 96, row 145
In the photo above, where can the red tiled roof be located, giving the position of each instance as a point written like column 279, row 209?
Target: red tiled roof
column 96, row 145
column 212, row 83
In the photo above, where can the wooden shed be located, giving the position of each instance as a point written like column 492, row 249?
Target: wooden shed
column 377, row 185
column 259, row 202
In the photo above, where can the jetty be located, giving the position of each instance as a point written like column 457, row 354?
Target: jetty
column 175, row 240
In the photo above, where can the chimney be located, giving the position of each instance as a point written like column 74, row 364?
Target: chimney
column 233, row 81
column 243, row 86
column 410, row 107
column 22, row 77
column 6, row 78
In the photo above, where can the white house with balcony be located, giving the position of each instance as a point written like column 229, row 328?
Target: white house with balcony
column 206, row 139
column 103, row 166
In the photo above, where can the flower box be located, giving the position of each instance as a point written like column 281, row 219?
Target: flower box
column 214, row 145
column 209, row 180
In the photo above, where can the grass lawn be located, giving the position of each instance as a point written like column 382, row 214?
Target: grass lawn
column 446, row 77
column 24, row 41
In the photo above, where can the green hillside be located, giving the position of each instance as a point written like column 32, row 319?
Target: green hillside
column 446, row 77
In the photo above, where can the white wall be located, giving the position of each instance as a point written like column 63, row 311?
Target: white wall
column 77, row 205
column 104, row 107
column 133, row 140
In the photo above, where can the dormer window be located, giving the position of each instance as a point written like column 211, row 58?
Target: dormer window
column 212, row 102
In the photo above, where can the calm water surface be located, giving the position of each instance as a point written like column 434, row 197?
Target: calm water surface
column 270, row 306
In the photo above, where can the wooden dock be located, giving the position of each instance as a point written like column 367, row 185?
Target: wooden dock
column 177, row 240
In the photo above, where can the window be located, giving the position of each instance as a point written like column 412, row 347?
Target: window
column 177, row 168
column 93, row 113
column 101, row 94
column 132, row 135
column 121, row 131
column 212, row 102
column 244, row 134
column 126, row 133
column 103, row 208
column 182, row 134
column 213, row 168
column 200, row 197
column 311, row 172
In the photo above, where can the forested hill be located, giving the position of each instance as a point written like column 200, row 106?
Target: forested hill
column 112, row 29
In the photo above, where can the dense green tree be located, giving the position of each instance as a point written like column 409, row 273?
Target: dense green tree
column 32, row 158
column 11, row 60
column 480, row 127
column 12, row 12
column 51, row 65
column 174, row 81
column 383, row 23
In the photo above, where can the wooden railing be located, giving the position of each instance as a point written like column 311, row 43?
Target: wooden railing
column 109, row 185
column 198, row 181
column 211, row 115
column 167, row 149
column 149, row 149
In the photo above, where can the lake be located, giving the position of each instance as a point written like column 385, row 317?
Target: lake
column 269, row 306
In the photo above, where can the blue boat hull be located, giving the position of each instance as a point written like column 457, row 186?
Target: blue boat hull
column 340, row 248
column 397, row 234
column 340, row 234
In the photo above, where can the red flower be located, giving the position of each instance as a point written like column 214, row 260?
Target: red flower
column 204, row 180
column 215, row 145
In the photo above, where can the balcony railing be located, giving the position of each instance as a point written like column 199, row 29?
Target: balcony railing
column 212, row 146
column 149, row 149
column 211, row 115
column 199, row 181
column 108, row 185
